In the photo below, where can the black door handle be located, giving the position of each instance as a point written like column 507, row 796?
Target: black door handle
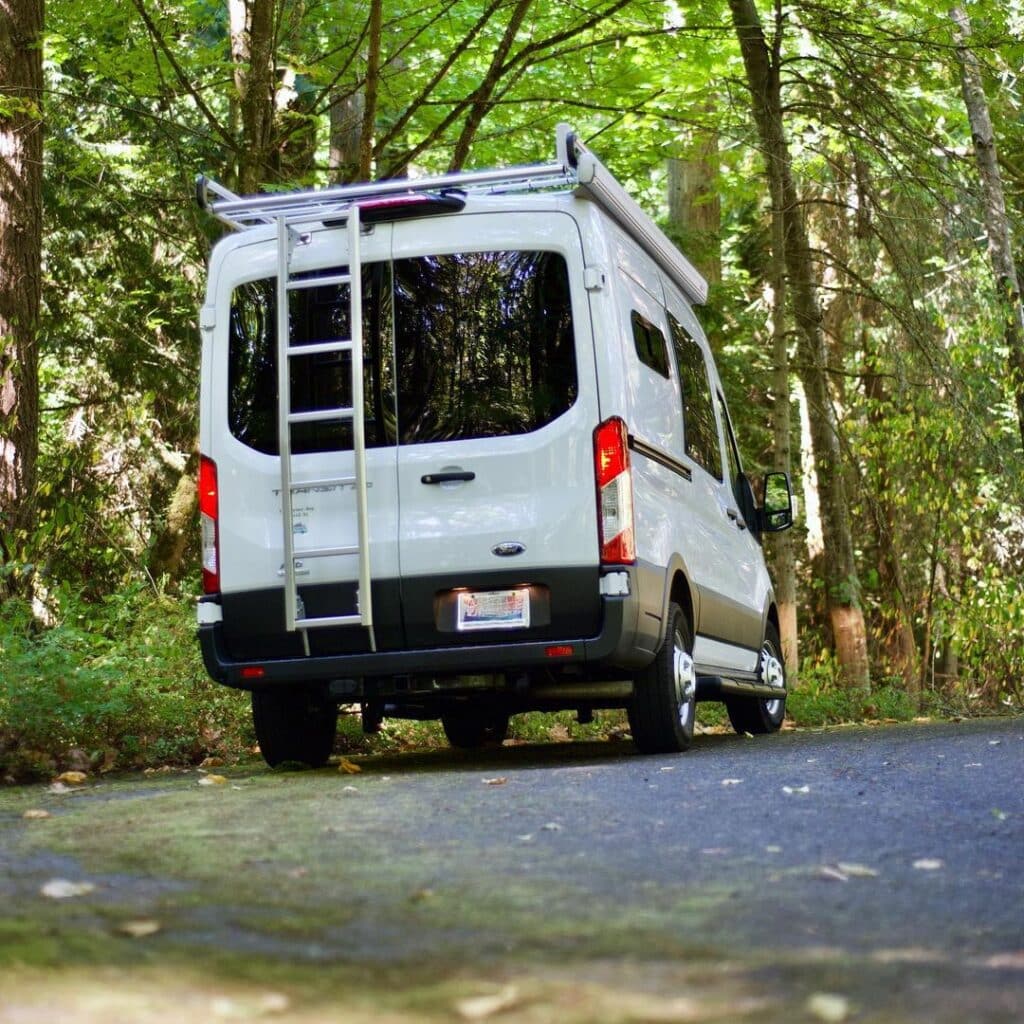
column 444, row 478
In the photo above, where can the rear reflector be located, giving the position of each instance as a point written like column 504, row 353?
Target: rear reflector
column 614, row 493
column 560, row 651
column 253, row 672
column 208, row 513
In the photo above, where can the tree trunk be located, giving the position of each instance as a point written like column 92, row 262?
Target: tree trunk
column 842, row 583
column 21, row 232
column 694, row 204
column 783, row 545
column 997, row 224
column 253, row 54
column 346, row 134
column 366, row 131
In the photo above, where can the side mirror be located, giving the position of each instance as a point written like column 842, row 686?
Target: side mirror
column 776, row 514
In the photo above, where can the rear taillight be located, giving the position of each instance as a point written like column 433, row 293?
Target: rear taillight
column 614, row 493
column 208, row 520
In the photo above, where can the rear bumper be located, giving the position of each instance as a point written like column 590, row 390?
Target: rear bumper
column 612, row 646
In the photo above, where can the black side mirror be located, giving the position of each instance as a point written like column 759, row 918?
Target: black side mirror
column 776, row 514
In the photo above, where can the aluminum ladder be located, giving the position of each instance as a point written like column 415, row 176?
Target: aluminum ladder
column 295, row 616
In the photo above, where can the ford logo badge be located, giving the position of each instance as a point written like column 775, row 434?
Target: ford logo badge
column 508, row 548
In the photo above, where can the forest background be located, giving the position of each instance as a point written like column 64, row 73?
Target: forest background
column 849, row 178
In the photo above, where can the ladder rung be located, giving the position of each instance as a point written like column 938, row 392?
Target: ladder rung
column 342, row 345
column 329, row 620
column 347, row 549
column 321, row 415
column 327, row 481
column 294, row 283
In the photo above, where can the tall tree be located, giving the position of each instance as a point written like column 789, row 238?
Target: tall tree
column 997, row 223
column 763, row 69
column 21, row 210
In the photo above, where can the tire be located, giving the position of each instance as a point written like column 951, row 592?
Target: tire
column 294, row 725
column 755, row 715
column 470, row 730
column 664, row 705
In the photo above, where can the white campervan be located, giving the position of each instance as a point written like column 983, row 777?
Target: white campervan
column 465, row 453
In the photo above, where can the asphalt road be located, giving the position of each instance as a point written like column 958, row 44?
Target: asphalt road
column 869, row 875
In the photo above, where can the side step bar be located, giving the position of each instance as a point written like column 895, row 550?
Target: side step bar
column 716, row 688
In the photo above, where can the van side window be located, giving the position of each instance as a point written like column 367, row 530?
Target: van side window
column 732, row 452
column 700, row 429
column 317, row 381
column 650, row 344
column 484, row 344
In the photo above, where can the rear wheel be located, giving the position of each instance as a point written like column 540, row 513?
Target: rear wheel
column 755, row 715
column 469, row 730
column 664, row 705
column 294, row 725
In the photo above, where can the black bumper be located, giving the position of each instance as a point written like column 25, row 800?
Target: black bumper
column 612, row 646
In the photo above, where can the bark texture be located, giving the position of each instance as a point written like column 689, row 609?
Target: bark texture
column 21, row 215
column 997, row 223
column 846, row 617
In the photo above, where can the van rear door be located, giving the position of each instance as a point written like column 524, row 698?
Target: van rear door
column 496, row 404
column 241, row 437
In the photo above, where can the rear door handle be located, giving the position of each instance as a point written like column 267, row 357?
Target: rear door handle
column 444, row 478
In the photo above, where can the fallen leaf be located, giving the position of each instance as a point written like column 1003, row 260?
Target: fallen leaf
column 857, row 870
column 212, row 762
column 929, row 864
column 552, row 826
column 71, row 778
column 667, row 768
column 212, row 780
column 994, row 743
column 58, row 787
column 350, row 789
column 62, row 889
column 499, row 780
column 139, row 929
column 1007, row 961
column 829, row 1008
column 731, row 782
column 347, row 767
column 831, row 874
column 558, row 733
column 298, row 872
column 528, row 838
column 36, row 813
column 796, row 789
column 247, row 1008
column 482, row 1007
column 420, row 895
column 998, row 814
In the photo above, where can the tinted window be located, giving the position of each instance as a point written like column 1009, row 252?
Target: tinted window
column 700, row 428
column 319, row 381
column 483, row 344
column 650, row 344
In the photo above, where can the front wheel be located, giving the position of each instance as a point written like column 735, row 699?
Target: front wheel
column 664, row 705
column 294, row 725
column 756, row 715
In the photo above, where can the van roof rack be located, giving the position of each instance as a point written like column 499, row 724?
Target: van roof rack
column 576, row 169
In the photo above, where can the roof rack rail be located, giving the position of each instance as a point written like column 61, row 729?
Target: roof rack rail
column 576, row 168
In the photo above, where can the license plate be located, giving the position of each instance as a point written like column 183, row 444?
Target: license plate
column 493, row 609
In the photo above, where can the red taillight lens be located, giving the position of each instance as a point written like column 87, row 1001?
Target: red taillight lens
column 614, row 493
column 208, row 513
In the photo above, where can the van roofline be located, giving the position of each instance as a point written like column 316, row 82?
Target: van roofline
column 577, row 170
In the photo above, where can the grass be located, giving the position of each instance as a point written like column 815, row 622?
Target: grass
column 122, row 685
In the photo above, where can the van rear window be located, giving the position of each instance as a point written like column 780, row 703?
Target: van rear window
column 480, row 345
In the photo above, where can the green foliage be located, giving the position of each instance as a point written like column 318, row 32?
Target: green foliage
column 114, row 685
